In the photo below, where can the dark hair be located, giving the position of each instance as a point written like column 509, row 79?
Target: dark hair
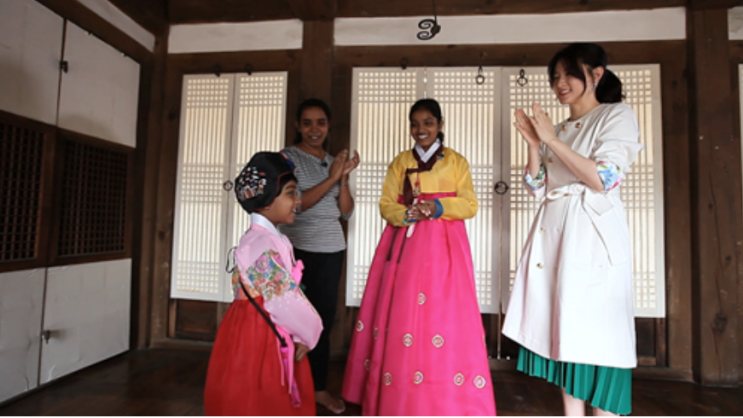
column 430, row 105
column 306, row 105
column 284, row 180
column 574, row 56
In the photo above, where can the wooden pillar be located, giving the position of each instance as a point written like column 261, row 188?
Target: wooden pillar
column 147, row 163
column 317, row 60
column 717, row 225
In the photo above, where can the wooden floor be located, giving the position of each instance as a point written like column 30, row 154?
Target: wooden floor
column 170, row 382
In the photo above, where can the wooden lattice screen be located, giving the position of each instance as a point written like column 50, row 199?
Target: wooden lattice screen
column 94, row 203
column 21, row 157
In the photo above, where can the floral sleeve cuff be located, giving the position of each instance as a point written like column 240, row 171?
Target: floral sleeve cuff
column 536, row 183
column 610, row 174
column 268, row 277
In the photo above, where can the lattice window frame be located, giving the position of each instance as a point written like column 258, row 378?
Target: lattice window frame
column 42, row 225
column 91, row 250
column 650, row 287
column 366, row 226
column 240, row 140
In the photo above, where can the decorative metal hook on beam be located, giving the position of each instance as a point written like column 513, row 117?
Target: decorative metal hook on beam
column 480, row 78
column 217, row 69
column 522, row 80
column 249, row 69
column 430, row 27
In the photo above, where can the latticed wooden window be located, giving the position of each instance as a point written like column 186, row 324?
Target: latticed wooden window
column 94, row 202
column 21, row 152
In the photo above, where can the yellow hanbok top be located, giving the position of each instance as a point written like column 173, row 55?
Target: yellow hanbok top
column 451, row 174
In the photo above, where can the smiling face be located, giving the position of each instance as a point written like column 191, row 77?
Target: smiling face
column 284, row 208
column 568, row 88
column 424, row 128
column 571, row 90
column 313, row 126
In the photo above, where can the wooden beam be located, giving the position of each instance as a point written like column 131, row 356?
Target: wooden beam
column 108, row 33
column 317, row 60
column 736, row 59
column 150, row 14
column 717, row 227
column 713, row 4
column 147, row 157
column 314, row 10
column 206, row 11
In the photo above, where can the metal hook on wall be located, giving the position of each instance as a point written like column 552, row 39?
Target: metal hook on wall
column 249, row 69
column 217, row 70
column 522, row 80
column 480, row 79
column 430, row 27
column 404, row 63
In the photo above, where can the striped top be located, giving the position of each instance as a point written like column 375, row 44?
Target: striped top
column 317, row 229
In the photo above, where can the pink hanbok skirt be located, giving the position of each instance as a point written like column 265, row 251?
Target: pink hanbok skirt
column 419, row 345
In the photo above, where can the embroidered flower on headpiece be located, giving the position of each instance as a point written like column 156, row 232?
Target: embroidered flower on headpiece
column 252, row 182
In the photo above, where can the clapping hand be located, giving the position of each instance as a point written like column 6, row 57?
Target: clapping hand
column 338, row 168
column 542, row 124
column 535, row 129
column 351, row 163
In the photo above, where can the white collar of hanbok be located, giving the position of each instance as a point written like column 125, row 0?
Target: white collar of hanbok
column 260, row 220
column 426, row 155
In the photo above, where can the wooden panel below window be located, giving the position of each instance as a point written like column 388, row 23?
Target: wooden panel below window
column 194, row 319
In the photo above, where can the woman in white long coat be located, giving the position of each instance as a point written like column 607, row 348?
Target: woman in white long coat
column 571, row 308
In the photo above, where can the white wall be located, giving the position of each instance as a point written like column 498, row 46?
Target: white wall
column 30, row 51
column 735, row 23
column 21, row 306
column 87, row 312
column 221, row 37
column 637, row 25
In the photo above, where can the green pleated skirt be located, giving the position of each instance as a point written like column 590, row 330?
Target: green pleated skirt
column 607, row 388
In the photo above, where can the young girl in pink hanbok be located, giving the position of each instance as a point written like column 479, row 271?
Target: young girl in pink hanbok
column 419, row 344
column 258, row 364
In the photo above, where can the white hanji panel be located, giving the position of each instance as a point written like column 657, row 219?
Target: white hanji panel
column 86, row 314
column 225, row 120
column 641, row 191
column 472, row 124
column 199, row 250
column 379, row 131
column 259, row 124
column 99, row 92
column 30, row 51
column 21, row 307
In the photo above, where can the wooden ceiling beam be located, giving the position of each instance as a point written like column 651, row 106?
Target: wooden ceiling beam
column 208, row 11
column 314, row 10
column 150, row 14
column 713, row 4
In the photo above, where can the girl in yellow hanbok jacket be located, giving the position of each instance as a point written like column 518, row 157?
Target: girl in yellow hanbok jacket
column 419, row 344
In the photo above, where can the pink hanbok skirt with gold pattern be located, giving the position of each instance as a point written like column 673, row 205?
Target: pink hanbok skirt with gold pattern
column 419, row 345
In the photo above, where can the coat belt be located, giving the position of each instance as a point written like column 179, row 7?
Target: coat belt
column 598, row 207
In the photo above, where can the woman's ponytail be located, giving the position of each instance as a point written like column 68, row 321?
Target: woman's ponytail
column 609, row 88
